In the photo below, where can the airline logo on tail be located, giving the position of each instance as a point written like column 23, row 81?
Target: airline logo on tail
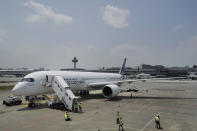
column 122, row 69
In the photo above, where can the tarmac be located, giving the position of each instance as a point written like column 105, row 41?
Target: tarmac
column 176, row 103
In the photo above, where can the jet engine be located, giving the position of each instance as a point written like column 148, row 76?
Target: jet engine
column 110, row 90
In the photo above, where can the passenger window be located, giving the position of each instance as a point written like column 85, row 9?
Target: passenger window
column 27, row 80
column 31, row 80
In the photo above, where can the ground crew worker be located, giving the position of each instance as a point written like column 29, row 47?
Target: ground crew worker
column 66, row 117
column 76, row 107
column 121, row 125
column 157, row 122
column 80, row 107
column 118, row 118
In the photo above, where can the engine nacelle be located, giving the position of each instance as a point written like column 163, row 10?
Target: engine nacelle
column 111, row 90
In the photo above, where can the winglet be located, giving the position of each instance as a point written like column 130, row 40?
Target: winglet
column 123, row 67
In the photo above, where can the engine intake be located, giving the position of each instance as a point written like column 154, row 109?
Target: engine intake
column 111, row 90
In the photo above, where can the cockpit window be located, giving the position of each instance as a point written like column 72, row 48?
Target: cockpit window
column 27, row 79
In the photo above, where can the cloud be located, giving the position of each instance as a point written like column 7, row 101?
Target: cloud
column 56, row 56
column 3, row 36
column 44, row 13
column 115, row 16
column 35, row 55
column 187, row 49
column 135, row 53
column 182, row 54
column 35, row 19
column 127, row 48
column 177, row 28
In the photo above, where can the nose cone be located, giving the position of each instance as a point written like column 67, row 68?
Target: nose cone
column 18, row 89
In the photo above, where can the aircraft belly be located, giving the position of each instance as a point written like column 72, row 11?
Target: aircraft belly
column 75, row 87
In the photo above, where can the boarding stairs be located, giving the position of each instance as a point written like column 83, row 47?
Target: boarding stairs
column 63, row 91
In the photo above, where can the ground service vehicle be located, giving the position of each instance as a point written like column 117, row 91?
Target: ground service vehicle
column 12, row 100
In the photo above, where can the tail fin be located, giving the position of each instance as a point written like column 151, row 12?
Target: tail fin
column 123, row 67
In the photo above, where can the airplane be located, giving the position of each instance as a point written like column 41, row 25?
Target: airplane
column 40, row 83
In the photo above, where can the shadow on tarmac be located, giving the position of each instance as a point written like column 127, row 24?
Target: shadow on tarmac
column 163, row 97
column 117, row 98
column 38, row 107
column 100, row 96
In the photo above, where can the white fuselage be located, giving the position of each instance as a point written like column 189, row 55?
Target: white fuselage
column 38, row 83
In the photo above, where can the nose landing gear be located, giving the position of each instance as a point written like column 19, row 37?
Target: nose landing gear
column 31, row 105
column 33, row 99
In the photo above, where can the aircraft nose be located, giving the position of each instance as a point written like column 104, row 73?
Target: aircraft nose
column 18, row 89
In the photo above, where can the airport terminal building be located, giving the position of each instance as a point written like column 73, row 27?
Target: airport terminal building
column 156, row 71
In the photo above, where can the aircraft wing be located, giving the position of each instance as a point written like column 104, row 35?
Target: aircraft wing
column 99, row 85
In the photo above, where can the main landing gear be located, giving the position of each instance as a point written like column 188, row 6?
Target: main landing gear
column 131, row 96
column 84, row 92
column 33, row 99
column 31, row 105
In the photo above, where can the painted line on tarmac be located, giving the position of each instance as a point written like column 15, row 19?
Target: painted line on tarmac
column 96, row 129
column 132, row 128
column 101, row 129
column 149, row 122
column 135, row 111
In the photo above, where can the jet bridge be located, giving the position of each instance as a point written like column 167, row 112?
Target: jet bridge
column 64, row 92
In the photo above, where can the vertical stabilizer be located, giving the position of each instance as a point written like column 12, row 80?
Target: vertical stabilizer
column 122, row 69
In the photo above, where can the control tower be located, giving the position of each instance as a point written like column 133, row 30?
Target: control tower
column 75, row 62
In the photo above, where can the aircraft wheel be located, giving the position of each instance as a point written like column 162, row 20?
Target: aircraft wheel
column 30, row 105
column 33, row 105
column 131, row 96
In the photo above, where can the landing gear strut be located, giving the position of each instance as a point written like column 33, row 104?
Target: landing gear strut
column 31, row 101
column 84, row 92
column 131, row 96
column 32, row 105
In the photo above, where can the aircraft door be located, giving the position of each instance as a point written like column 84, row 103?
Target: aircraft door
column 43, row 81
column 46, row 80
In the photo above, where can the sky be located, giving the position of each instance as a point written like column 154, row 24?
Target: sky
column 100, row 33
